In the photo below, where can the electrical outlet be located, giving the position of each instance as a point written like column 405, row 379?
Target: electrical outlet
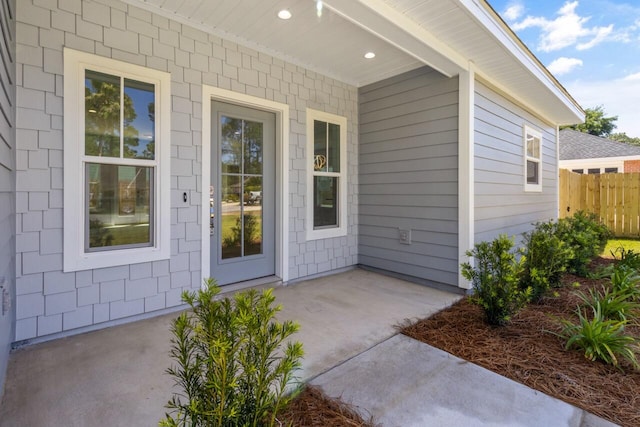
column 405, row 236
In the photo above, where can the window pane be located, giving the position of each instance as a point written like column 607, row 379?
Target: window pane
column 319, row 146
column 119, row 206
column 252, row 219
column 325, row 199
column 334, row 148
column 594, row 171
column 102, row 114
column 231, row 219
column 139, row 120
column 533, row 146
column 533, row 176
column 231, row 145
column 252, row 142
column 610, row 170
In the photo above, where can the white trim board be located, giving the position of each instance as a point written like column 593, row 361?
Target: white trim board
column 466, row 172
column 210, row 93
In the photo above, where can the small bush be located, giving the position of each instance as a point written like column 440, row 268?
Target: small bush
column 613, row 304
column 495, row 278
column 600, row 338
column 625, row 280
column 586, row 236
column 546, row 257
column 231, row 368
column 627, row 258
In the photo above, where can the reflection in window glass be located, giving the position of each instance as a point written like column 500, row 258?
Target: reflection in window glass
column 102, row 114
column 532, row 172
column 252, row 142
column 119, row 206
column 231, row 145
column 333, row 163
column 139, row 120
column 319, row 146
column 325, row 198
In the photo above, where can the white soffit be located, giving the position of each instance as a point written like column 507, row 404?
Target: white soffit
column 404, row 34
column 475, row 31
column 327, row 44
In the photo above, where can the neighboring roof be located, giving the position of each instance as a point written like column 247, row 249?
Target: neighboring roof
column 450, row 36
column 579, row 145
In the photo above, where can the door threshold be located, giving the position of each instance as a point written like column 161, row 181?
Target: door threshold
column 260, row 282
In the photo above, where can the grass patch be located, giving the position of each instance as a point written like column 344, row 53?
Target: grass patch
column 614, row 244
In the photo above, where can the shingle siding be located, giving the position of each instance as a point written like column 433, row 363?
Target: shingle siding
column 117, row 30
column 501, row 204
column 7, row 180
column 409, row 175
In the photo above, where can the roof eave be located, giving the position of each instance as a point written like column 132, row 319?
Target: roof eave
column 566, row 111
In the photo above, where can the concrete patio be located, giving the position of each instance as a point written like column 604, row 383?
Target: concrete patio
column 115, row 376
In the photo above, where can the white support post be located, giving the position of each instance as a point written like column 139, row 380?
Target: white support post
column 466, row 204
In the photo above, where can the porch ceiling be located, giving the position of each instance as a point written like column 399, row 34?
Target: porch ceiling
column 446, row 35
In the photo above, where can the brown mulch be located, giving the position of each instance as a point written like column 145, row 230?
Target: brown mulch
column 312, row 408
column 527, row 352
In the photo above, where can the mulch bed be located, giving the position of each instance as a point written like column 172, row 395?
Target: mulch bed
column 527, row 352
column 312, row 408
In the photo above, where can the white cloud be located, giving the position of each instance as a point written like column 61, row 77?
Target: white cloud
column 513, row 11
column 632, row 77
column 567, row 29
column 619, row 97
column 564, row 65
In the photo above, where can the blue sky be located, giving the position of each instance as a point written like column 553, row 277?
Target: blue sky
column 591, row 46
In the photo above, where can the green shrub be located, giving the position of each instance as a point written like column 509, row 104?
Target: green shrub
column 600, row 338
column 586, row 236
column 230, row 366
column 495, row 277
column 627, row 258
column 625, row 280
column 614, row 304
column 546, row 257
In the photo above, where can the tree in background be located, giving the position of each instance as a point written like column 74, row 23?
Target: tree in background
column 623, row 137
column 596, row 123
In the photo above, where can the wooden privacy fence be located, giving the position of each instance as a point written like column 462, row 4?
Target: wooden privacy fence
column 613, row 197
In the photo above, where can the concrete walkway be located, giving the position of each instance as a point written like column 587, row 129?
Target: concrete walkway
column 115, row 376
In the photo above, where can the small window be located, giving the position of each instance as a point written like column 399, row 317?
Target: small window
column 594, row 171
column 116, row 189
column 327, row 187
column 533, row 160
column 610, row 170
column 578, row 170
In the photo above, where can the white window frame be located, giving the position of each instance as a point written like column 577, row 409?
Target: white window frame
column 529, row 131
column 75, row 257
column 341, row 229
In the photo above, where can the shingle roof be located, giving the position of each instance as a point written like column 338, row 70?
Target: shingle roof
column 580, row 145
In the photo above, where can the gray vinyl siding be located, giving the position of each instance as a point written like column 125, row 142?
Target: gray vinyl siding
column 7, row 178
column 409, row 175
column 501, row 204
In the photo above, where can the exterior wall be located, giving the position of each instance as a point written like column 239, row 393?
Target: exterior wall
column 501, row 204
column 50, row 301
column 600, row 163
column 631, row 166
column 7, row 180
column 409, row 175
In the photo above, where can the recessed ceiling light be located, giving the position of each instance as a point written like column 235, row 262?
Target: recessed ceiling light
column 284, row 14
column 369, row 55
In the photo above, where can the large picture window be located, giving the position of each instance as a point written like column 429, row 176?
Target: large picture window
column 533, row 159
column 327, row 186
column 116, row 192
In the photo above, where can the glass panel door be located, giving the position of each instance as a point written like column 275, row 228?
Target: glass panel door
column 243, row 191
